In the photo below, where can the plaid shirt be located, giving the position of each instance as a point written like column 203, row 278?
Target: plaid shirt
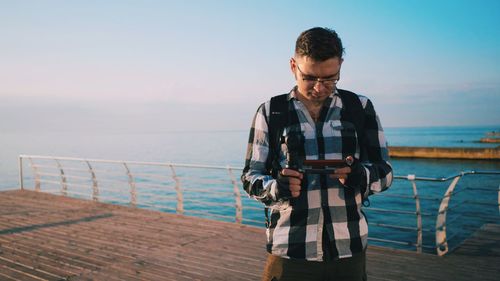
column 326, row 220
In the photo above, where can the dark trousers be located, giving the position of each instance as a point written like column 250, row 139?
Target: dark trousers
column 347, row 269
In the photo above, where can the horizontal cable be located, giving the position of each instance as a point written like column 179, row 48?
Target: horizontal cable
column 38, row 166
column 86, row 170
column 155, row 176
column 75, row 177
column 401, row 243
column 172, row 199
column 485, row 203
column 255, row 221
column 156, row 206
column 253, row 208
column 79, row 185
column 481, row 189
column 392, row 241
column 49, row 181
column 104, row 198
column 84, row 195
column 397, row 196
column 390, row 211
column 53, row 191
column 133, row 162
column 48, row 174
column 209, row 214
column 201, row 180
column 118, row 181
column 223, row 193
column 407, row 177
column 153, row 185
column 118, row 190
column 394, row 226
column 210, row 203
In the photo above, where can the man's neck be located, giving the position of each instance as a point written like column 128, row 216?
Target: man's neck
column 313, row 107
column 309, row 103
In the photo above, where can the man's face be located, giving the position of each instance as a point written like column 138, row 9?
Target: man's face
column 316, row 80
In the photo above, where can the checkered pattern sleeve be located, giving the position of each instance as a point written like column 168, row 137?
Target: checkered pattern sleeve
column 257, row 181
column 376, row 162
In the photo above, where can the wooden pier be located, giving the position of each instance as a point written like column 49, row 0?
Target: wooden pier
column 50, row 237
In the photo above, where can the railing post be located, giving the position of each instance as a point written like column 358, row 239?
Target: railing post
column 37, row 175
column 180, row 204
column 21, row 182
column 441, row 242
column 64, row 185
column 95, row 188
column 418, row 213
column 237, row 197
column 131, row 182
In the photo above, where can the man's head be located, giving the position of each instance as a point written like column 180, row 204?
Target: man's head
column 319, row 44
column 316, row 63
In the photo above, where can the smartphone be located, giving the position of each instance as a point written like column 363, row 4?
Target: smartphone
column 323, row 166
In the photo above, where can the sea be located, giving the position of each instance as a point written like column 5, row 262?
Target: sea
column 227, row 148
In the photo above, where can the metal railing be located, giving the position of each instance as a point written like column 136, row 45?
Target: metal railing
column 441, row 242
column 194, row 189
column 214, row 192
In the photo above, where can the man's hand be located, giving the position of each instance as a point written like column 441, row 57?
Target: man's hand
column 341, row 174
column 289, row 183
column 351, row 176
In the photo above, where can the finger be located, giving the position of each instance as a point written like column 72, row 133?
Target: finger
column 291, row 173
column 343, row 170
column 342, row 181
column 338, row 176
column 295, row 181
column 295, row 194
column 294, row 188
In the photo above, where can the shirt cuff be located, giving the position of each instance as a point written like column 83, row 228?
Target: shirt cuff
column 271, row 187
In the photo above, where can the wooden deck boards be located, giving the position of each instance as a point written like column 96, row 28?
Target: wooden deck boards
column 49, row 237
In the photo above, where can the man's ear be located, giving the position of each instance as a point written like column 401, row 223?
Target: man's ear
column 293, row 67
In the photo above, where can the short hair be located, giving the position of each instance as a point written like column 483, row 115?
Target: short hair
column 319, row 44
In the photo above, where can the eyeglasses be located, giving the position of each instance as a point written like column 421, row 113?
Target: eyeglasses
column 312, row 80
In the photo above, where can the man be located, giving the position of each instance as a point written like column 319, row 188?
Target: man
column 316, row 230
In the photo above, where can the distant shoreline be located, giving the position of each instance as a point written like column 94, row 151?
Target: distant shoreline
column 489, row 140
column 445, row 152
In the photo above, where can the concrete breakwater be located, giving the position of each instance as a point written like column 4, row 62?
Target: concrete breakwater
column 490, row 140
column 445, row 152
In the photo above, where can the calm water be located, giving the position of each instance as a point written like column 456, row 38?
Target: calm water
column 228, row 148
column 220, row 148
column 440, row 136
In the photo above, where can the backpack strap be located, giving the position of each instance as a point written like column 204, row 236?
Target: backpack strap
column 278, row 119
column 352, row 111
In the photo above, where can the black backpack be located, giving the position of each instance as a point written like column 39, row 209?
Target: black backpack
column 279, row 117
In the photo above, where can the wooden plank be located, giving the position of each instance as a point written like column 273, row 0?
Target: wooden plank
column 483, row 242
column 43, row 237
column 56, row 267
column 20, row 272
column 52, row 235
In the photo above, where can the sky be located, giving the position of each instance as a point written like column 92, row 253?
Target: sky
column 207, row 65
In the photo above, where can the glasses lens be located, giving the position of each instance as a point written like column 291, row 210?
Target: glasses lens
column 326, row 83
column 329, row 83
column 311, row 81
